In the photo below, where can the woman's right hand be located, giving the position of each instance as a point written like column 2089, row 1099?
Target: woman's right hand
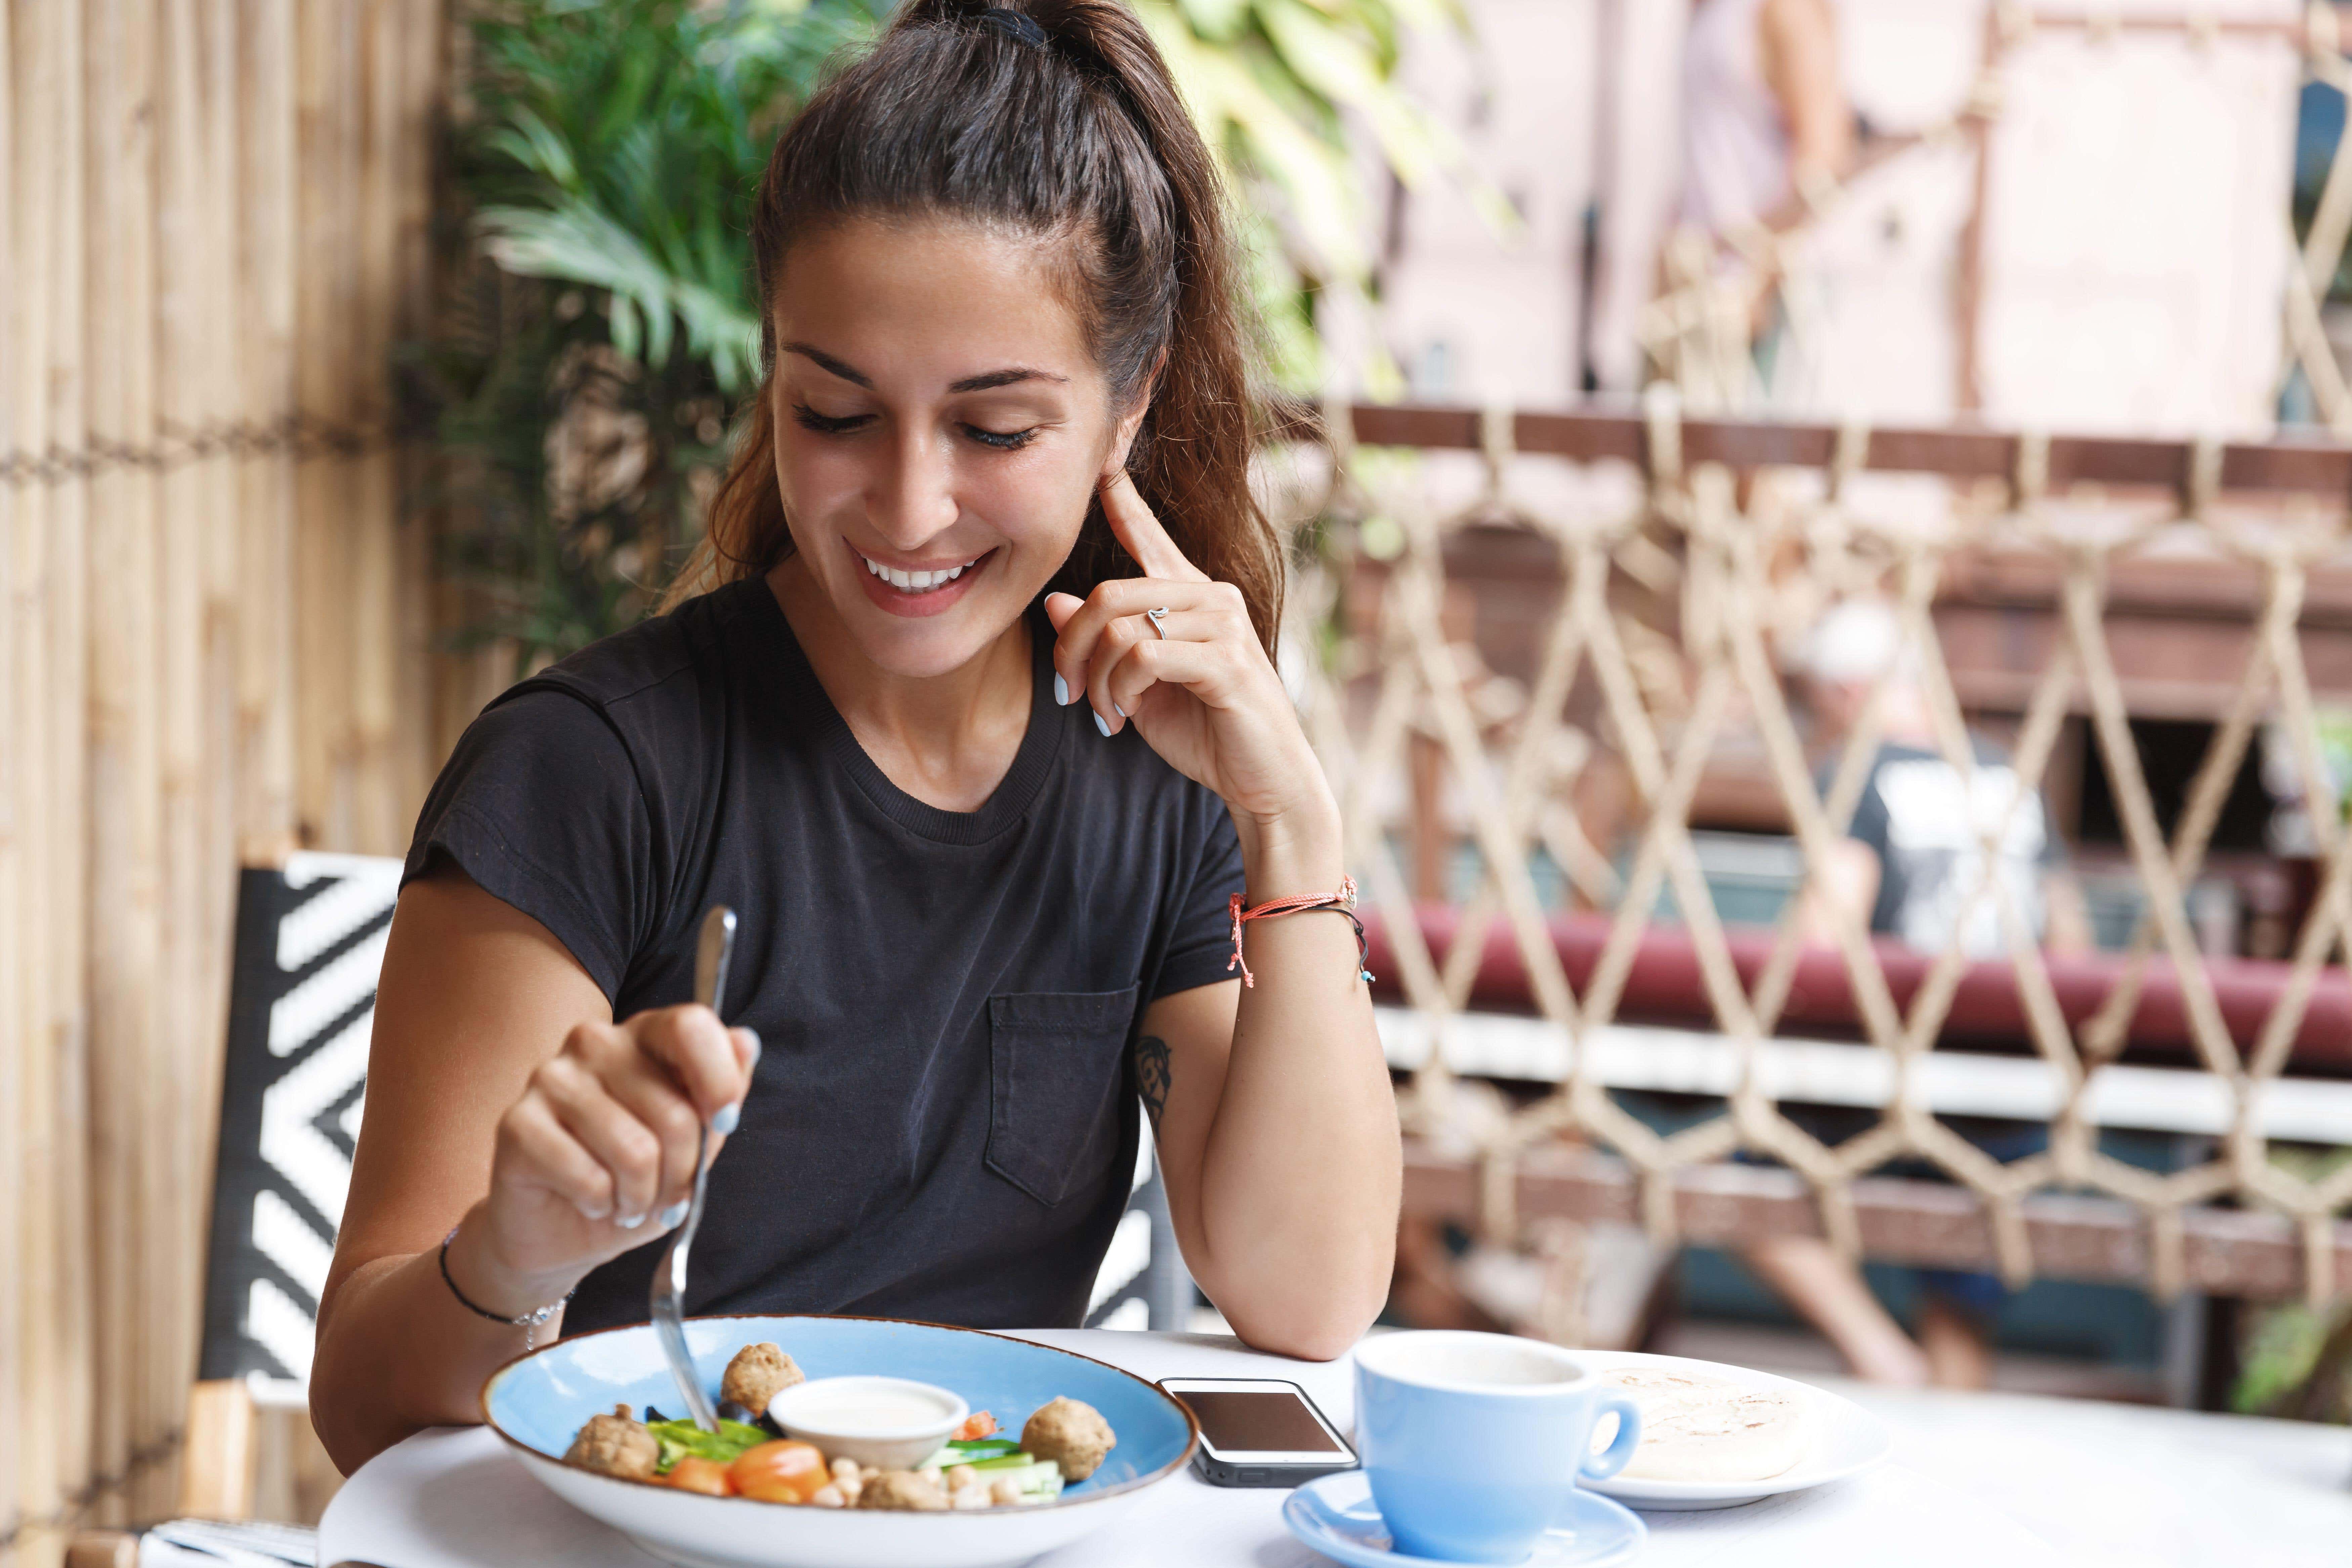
column 597, row 1157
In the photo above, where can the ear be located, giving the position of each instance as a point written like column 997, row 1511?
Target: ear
column 1122, row 439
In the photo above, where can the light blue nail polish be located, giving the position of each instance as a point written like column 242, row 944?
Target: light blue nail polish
column 630, row 1221
column 672, row 1217
column 729, row 1116
column 1104, row 725
column 756, row 1046
column 1118, row 710
column 1061, row 692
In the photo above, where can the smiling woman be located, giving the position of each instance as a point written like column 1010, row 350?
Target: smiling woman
column 968, row 712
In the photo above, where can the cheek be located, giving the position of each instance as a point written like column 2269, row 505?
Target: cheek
column 816, row 477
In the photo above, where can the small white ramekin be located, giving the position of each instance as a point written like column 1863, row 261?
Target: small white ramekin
column 899, row 1447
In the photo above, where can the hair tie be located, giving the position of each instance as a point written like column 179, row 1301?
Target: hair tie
column 1018, row 26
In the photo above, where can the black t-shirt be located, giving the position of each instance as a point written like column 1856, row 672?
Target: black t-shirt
column 1924, row 819
column 943, row 1124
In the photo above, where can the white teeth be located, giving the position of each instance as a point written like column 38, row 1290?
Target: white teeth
column 917, row 581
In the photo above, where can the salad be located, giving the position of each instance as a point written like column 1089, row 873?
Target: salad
column 748, row 1456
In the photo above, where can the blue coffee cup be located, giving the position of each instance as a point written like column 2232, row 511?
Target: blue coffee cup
column 1474, row 1442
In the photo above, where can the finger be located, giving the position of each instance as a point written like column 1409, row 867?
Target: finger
column 1138, row 526
column 654, row 1100
column 1111, row 603
column 1112, row 686
column 695, row 1047
column 548, row 1157
column 613, row 1136
column 1060, row 607
column 1204, row 668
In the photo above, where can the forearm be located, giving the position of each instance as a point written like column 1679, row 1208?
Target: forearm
column 397, row 1353
column 1300, row 1172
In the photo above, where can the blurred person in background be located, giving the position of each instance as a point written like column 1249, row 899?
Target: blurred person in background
column 1765, row 116
column 1911, row 868
column 1766, row 123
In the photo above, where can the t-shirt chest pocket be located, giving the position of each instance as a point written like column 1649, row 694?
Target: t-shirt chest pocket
column 1056, row 1070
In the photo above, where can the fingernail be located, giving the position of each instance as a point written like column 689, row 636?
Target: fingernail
column 1118, row 710
column 672, row 1217
column 589, row 1211
column 725, row 1121
column 756, row 1048
column 1061, row 692
column 1104, row 725
column 630, row 1221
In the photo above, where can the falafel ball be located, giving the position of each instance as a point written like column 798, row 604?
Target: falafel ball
column 757, row 1375
column 1072, row 1434
column 905, row 1491
column 616, row 1445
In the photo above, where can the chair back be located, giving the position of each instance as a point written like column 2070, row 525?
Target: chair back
column 308, row 946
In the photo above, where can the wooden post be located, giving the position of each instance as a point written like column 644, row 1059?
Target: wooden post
column 216, row 1471
column 124, row 912
column 17, row 758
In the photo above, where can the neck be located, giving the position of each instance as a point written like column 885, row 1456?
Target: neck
column 947, row 740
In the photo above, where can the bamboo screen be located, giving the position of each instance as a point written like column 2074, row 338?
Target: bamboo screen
column 212, row 230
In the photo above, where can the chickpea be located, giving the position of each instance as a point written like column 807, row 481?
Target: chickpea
column 960, row 1476
column 829, row 1497
column 1004, row 1492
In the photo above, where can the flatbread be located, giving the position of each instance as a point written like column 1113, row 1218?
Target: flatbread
column 1699, row 1428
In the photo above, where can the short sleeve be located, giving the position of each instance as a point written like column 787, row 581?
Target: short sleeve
column 541, row 806
column 1204, row 939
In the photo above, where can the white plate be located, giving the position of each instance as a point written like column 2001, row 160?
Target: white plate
column 1844, row 1439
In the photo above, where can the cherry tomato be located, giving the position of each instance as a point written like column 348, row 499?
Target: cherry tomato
column 708, row 1477
column 782, row 1472
column 978, row 1426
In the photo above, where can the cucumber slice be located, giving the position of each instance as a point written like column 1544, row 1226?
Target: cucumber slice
column 1016, row 1460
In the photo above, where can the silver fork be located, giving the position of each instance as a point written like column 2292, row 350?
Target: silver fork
column 711, row 954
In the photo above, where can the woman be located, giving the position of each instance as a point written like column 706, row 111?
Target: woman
column 981, row 836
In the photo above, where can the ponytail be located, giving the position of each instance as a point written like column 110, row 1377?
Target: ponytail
column 1056, row 119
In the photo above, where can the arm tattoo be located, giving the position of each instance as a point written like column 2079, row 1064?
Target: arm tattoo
column 1153, row 1075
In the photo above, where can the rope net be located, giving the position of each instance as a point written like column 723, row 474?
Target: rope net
column 1665, row 648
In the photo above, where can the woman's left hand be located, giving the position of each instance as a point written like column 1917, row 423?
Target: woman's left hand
column 1200, row 690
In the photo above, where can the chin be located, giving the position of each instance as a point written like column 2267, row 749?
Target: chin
column 927, row 648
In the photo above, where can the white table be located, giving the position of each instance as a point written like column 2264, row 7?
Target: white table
column 456, row 1498
column 2132, row 1486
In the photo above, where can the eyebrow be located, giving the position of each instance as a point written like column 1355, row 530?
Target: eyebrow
column 982, row 382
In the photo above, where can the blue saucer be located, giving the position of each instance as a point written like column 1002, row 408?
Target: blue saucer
column 1334, row 1514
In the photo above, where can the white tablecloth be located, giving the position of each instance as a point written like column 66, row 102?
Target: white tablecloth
column 456, row 1498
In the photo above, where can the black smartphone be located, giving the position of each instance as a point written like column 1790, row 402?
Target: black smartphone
column 1259, row 1432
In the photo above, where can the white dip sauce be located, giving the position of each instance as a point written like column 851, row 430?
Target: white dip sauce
column 865, row 1410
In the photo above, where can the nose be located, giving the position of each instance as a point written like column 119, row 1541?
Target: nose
column 913, row 498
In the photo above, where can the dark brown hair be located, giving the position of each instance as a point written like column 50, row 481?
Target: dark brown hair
column 1055, row 118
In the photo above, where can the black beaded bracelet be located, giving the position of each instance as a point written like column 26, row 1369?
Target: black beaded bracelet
column 531, row 1320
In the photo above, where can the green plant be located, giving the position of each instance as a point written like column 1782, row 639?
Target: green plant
column 604, row 332
column 2296, row 1360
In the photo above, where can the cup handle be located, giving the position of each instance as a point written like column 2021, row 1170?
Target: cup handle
column 1609, row 1461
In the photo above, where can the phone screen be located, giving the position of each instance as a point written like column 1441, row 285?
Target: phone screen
column 1257, row 1421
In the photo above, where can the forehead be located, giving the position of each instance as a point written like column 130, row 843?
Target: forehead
column 921, row 299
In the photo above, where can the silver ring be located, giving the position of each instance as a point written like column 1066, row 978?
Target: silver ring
column 1155, row 617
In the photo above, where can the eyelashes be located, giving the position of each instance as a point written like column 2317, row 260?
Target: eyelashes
column 808, row 418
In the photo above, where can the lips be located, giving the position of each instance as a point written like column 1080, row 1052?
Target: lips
column 922, row 582
column 918, row 591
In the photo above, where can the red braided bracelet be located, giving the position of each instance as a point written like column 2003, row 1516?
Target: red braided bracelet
column 1344, row 901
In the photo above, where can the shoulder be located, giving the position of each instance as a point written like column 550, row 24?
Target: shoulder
column 664, row 660
column 656, row 689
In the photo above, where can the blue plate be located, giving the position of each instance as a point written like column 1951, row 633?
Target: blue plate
column 1336, row 1517
column 538, row 1402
